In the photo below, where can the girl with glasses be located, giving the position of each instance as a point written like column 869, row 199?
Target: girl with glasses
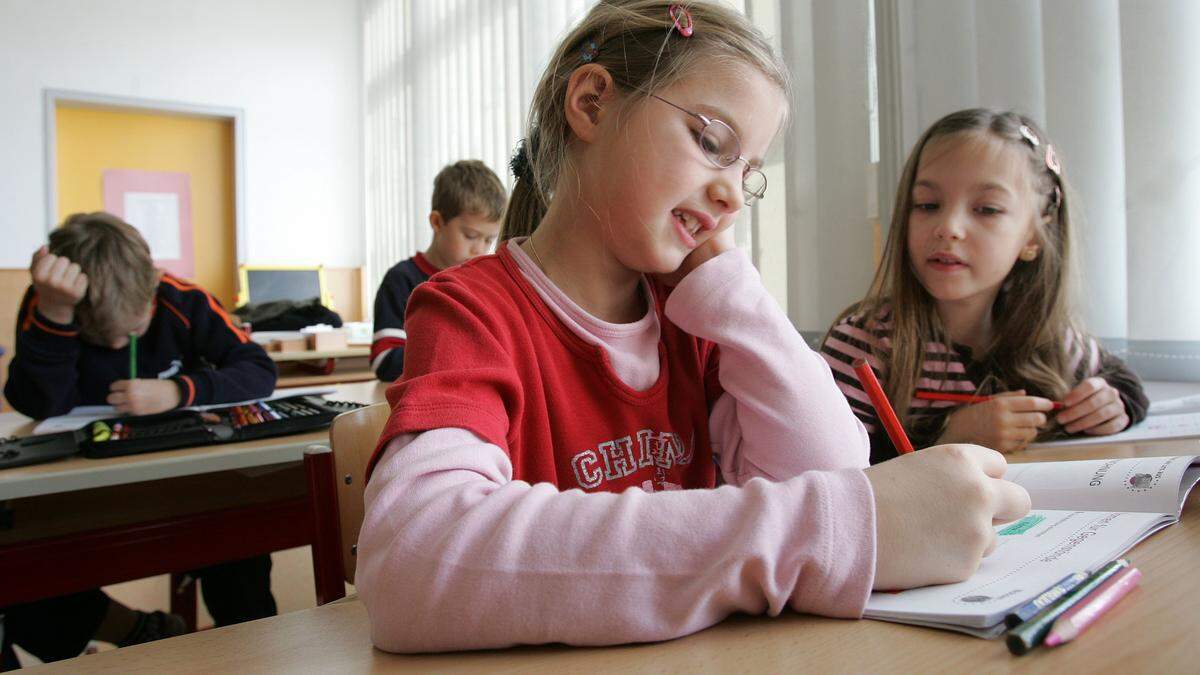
column 551, row 466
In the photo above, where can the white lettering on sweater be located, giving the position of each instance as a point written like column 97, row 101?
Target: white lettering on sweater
column 616, row 459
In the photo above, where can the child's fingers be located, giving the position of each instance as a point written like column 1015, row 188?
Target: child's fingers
column 1087, row 406
column 80, row 285
column 989, row 461
column 38, row 256
column 1022, row 404
column 1010, row 501
column 120, row 386
column 1099, row 416
column 1029, row 420
column 1084, row 390
column 58, row 272
column 117, row 399
column 1112, row 426
column 42, row 266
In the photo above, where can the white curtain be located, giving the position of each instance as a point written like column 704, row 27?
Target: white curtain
column 1116, row 86
column 444, row 80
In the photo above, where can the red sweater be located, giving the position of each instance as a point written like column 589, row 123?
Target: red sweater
column 475, row 374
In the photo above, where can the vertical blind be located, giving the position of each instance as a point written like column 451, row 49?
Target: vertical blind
column 444, row 80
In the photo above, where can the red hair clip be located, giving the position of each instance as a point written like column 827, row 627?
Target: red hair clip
column 682, row 19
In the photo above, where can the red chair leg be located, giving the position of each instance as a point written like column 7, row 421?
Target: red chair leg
column 328, row 574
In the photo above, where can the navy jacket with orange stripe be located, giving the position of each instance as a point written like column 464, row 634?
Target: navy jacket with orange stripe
column 191, row 341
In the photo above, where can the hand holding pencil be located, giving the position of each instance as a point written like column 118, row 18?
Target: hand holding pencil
column 931, row 526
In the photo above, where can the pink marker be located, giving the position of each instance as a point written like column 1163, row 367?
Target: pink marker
column 1077, row 619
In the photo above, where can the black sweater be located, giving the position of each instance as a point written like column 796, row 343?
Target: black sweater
column 190, row 341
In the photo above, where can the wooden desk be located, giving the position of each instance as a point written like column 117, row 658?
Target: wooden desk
column 81, row 523
column 1154, row 630
column 298, row 369
column 319, row 355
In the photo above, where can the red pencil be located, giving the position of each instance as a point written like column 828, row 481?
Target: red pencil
column 882, row 407
column 965, row 398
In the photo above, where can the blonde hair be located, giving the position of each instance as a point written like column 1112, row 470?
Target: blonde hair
column 636, row 42
column 122, row 279
column 468, row 186
column 1032, row 316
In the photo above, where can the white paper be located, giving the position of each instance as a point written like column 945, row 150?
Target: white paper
column 156, row 216
column 1154, row 427
column 1171, row 406
column 82, row 416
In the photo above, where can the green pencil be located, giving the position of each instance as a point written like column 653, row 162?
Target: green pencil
column 133, row 356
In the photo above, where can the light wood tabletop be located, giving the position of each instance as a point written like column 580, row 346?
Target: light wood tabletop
column 1154, row 630
column 319, row 354
column 81, row 473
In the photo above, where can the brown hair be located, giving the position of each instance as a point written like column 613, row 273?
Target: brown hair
column 636, row 42
column 121, row 276
column 468, row 186
column 1032, row 315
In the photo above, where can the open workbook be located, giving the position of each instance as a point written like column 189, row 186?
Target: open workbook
column 1084, row 515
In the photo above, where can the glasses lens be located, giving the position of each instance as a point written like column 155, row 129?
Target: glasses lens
column 754, row 184
column 720, row 144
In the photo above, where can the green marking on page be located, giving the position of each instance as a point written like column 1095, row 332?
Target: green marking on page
column 1023, row 525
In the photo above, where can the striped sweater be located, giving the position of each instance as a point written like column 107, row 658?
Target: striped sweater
column 951, row 369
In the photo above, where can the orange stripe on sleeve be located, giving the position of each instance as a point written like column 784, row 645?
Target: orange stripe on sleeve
column 31, row 320
column 191, row 387
column 212, row 302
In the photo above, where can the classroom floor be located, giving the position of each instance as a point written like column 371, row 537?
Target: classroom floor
column 291, row 582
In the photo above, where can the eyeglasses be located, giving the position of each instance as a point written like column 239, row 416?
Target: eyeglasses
column 722, row 147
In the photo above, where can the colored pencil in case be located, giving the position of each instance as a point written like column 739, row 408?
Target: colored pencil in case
column 1078, row 618
column 965, row 398
column 883, row 408
column 1023, row 638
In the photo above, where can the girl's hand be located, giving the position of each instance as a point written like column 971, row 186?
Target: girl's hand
column 143, row 397
column 1007, row 423
column 716, row 245
column 935, row 511
column 1093, row 407
column 59, row 283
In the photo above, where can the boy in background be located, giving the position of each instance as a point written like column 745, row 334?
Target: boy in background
column 468, row 201
column 94, row 287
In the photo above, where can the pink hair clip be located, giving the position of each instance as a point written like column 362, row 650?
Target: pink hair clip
column 682, row 19
column 1052, row 160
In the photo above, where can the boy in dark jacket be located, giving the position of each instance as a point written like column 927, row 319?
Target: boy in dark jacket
column 468, row 200
column 94, row 287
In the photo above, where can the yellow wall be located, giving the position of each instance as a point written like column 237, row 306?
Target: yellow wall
column 92, row 140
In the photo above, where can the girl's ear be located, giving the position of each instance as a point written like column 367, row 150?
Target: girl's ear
column 589, row 90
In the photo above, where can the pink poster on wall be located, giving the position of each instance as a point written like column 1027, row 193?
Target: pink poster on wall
column 159, row 205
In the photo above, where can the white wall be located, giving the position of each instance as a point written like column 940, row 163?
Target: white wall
column 292, row 66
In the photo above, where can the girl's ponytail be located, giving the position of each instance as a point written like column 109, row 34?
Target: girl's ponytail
column 526, row 205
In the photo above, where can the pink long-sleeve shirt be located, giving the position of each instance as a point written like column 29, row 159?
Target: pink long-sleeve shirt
column 454, row 553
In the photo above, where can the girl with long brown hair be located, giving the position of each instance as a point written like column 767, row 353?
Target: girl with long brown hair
column 974, row 297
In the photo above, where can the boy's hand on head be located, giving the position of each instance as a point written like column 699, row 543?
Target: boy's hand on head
column 1094, row 407
column 716, row 245
column 60, row 285
column 1008, row 422
column 143, row 397
column 935, row 511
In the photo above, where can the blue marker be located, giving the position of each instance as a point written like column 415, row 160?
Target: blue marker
column 1025, row 612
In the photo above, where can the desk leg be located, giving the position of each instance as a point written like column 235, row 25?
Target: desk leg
column 183, row 598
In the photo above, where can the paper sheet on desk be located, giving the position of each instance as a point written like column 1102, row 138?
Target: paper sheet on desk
column 1154, row 427
column 84, row 415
